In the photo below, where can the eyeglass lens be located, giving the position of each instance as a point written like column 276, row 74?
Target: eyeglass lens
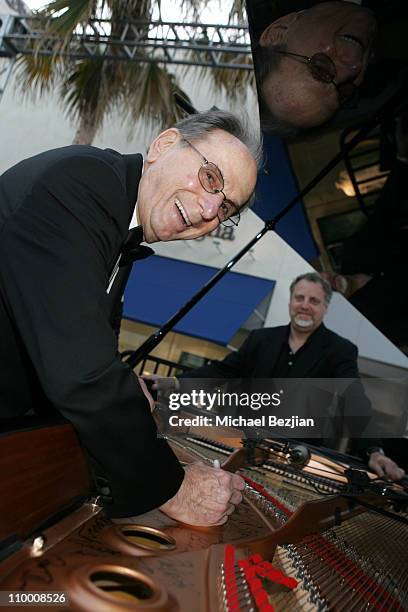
column 323, row 69
column 211, row 180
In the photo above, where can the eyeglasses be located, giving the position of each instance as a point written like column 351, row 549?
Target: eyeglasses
column 323, row 69
column 212, row 181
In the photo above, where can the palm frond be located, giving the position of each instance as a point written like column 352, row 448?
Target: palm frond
column 130, row 10
column 150, row 94
column 67, row 14
column 234, row 83
column 82, row 91
column 92, row 89
column 237, row 14
column 37, row 74
column 58, row 20
column 191, row 9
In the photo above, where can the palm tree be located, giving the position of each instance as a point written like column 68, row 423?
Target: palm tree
column 91, row 89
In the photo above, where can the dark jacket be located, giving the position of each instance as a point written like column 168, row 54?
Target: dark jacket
column 327, row 355
column 64, row 216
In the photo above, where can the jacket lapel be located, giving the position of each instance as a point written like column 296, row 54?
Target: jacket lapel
column 131, row 248
column 133, row 169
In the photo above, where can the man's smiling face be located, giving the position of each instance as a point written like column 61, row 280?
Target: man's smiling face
column 307, row 306
column 172, row 204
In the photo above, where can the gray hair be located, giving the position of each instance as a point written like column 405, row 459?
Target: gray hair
column 199, row 125
column 314, row 277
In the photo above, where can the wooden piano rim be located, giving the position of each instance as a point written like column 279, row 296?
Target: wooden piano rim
column 57, row 480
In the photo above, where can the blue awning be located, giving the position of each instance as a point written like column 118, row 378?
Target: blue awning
column 275, row 188
column 159, row 286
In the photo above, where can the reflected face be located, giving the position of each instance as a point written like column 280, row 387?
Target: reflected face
column 307, row 306
column 172, row 204
column 342, row 30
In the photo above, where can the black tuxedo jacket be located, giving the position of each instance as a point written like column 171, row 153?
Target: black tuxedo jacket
column 64, row 216
column 326, row 355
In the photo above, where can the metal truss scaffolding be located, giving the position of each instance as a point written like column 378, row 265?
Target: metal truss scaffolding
column 216, row 46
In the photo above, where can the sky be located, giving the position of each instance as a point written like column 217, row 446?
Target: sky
column 34, row 4
column 216, row 11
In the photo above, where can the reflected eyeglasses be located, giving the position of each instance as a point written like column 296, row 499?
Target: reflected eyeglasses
column 323, row 69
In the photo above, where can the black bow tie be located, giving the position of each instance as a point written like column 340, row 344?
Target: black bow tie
column 132, row 249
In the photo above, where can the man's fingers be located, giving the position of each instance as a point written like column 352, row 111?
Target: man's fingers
column 216, row 505
column 230, row 509
column 238, row 482
column 222, row 500
column 206, row 497
column 394, row 472
column 236, row 498
column 162, row 383
column 233, row 481
column 383, row 466
column 376, row 466
column 151, row 377
column 221, row 522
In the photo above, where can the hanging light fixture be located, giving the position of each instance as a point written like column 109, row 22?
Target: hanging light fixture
column 368, row 179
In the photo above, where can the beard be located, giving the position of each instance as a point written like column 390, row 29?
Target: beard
column 304, row 323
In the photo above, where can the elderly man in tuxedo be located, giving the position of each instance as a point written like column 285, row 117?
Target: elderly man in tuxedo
column 64, row 221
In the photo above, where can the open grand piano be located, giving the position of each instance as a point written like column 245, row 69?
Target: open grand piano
column 300, row 540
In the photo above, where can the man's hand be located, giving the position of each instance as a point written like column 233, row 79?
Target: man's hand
column 206, row 497
column 163, row 383
column 385, row 467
